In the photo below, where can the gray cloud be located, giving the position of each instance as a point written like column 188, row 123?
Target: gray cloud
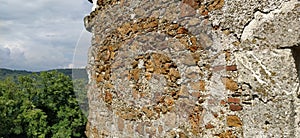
column 40, row 34
column 4, row 55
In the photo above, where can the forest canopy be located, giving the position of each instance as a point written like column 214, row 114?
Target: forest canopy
column 42, row 105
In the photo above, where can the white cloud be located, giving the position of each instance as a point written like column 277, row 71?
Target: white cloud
column 40, row 34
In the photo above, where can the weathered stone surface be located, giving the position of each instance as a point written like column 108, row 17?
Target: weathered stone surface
column 277, row 28
column 268, row 76
column 240, row 12
column 273, row 83
column 190, row 68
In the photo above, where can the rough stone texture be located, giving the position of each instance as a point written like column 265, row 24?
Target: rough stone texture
column 194, row 68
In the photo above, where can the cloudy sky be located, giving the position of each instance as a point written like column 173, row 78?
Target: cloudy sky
column 40, row 35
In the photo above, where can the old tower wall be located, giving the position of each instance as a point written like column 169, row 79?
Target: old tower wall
column 194, row 68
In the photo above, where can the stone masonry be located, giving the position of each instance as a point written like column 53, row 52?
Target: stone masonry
column 194, row 68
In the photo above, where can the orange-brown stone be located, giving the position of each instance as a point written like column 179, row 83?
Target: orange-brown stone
column 235, row 107
column 226, row 134
column 148, row 75
column 209, row 126
column 227, row 53
column 193, row 3
column 195, row 120
column 233, row 100
column 202, row 85
column 136, row 74
column 230, row 84
column 125, row 29
column 182, row 30
column 222, row 102
column 217, row 4
column 152, row 24
column 182, row 135
column 174, row 74
column 231, row 68
column 233, row 121
column 203, row 11
column 169, row 101
column 100, row 78
column 149, row 113
column 108, row 97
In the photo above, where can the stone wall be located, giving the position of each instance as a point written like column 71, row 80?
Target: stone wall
column 194, row 68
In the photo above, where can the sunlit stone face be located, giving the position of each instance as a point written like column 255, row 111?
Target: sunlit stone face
column 94, row 5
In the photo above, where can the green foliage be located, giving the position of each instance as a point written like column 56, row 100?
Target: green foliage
column 40, row 105
column 80, row 90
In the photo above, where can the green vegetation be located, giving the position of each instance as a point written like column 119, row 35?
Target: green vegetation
column 42, row 105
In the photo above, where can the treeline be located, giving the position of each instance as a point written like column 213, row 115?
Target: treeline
column 42, row 105
column 76, row 73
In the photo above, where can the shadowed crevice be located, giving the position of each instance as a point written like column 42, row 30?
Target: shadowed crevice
column 296, row 55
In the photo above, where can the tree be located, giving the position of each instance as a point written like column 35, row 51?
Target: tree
column 40, row 105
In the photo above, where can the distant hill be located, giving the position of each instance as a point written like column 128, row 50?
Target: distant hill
column 4, row 73
column 77, row 73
